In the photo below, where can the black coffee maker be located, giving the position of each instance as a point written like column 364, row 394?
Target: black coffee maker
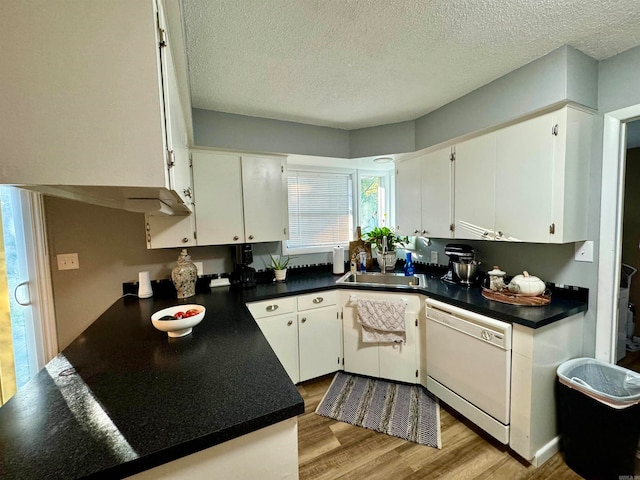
column 243, row 274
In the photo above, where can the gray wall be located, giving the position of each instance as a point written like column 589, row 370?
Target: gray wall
column 618, row 81
column 385, row 139
column 111, row 250
column 239, row 132
column 524, row 91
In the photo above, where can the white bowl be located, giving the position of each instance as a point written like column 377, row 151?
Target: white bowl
column 180, row 326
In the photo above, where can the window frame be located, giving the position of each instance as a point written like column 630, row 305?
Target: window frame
column 387, row 179
column 352, row 173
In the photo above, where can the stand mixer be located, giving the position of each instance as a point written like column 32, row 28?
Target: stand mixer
column 462, row 265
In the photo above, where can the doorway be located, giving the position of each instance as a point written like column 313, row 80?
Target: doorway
column 610, row 247
column 28, row 324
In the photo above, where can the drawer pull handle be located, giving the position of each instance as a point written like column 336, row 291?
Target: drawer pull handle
column 318, row 300
column 304, row 319
column 272, row 308
column 289, row 323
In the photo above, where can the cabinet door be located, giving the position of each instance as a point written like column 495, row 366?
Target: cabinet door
column 475, row 188
column 170, row 231
column 281, row 331
column 359, row 357
column 264, row 187
column 179, row 171
column 436, row 194
column 319, row 342
column 86, row 107
column 408, row 197
column 400, row 361
column 524, row 180
column 217, row 185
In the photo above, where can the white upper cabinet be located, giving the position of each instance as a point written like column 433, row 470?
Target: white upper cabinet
column 527, row 182
column 542, row 178
column 423, row 195
column 474, row 190
column 408, row 197
column 239, row 198
column 217, row 183
column 436, row 189
column 89, row 114
column 264, row 190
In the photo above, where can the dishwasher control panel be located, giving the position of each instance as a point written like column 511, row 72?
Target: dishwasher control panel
column 481, row 327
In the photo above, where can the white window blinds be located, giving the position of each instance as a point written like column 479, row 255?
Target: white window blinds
column 320, row 209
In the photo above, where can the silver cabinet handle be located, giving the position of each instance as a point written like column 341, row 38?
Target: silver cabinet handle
column 185, row 240
column 251, row 237
column 236, row 238
column 289, row 323
column 15, row 294
column 318, row 300
column 416, row 232
column 424, row 232
column 272, row 308
column 304, row 319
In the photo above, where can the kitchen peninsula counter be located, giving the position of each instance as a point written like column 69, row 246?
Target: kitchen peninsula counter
column 123, row 397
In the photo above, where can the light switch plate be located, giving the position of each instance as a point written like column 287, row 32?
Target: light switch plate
column 199, row 268
column 584, row 251
column 68, row 261
column 434, row 257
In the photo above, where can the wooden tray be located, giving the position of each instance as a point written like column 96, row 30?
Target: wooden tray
column 516, row 299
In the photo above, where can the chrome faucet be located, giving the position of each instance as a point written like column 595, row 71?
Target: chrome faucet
column 383, row 258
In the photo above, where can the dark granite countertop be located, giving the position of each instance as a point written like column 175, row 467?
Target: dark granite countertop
column 123, row 397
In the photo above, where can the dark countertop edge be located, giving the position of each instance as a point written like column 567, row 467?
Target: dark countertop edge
column 185, row 449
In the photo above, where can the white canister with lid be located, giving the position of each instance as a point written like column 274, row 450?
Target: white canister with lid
column 496, row 279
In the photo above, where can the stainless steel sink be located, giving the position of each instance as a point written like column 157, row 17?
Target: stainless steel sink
column 385, row 279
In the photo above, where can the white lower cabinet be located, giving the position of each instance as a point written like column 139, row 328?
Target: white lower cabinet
column 391, row 361
column 304, row 333
column 319, row 335
column 278, row 321
column 537, row 354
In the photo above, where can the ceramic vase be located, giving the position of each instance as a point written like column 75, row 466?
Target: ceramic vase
column 391, row 259
column 184, row 275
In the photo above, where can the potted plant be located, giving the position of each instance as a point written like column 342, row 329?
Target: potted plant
column 279, row 267
column 375, row 237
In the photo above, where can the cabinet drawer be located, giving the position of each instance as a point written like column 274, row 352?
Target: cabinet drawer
column 317, row 300
column 269, row 308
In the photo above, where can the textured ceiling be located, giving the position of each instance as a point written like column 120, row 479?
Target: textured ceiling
column 358, row 63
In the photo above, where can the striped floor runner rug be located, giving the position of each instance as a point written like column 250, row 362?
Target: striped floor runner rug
column 405, row 411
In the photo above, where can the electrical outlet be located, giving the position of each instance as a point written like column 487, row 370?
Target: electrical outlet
column 68, row 261
column 434, row 257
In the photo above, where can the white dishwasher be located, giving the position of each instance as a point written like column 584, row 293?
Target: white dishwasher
column 469, row 365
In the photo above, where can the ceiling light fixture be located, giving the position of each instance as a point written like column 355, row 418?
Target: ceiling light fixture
column 383, row 160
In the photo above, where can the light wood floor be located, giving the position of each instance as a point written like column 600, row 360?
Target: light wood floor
column 334, row 450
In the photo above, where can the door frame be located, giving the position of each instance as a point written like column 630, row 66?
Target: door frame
column 610, row 245
column 44, row 310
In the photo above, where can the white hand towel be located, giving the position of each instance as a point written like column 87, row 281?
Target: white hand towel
column 382, row 320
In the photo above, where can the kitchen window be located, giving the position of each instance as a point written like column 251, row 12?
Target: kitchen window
column 374, row 200
column 321, row 211
column 325, row 206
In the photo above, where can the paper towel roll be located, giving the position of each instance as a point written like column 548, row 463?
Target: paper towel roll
column 338, row 260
